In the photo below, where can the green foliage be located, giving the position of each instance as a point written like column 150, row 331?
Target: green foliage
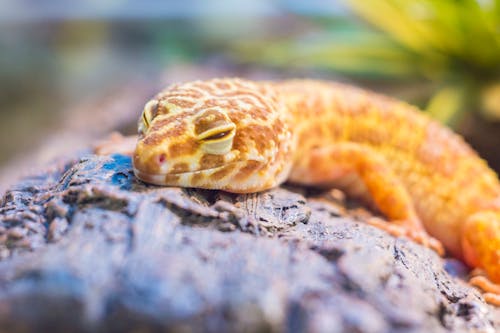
column 452, row 44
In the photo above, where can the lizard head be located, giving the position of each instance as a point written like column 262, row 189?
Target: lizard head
column 227, row 134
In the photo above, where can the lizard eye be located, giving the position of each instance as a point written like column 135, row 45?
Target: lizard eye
column 215, row 131
column 218, row 140
column 218, row 135
column 149, row 112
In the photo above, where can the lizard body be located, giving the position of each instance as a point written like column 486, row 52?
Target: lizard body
column 243, row 136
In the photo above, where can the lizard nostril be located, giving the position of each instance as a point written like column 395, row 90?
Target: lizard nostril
column 161, row 158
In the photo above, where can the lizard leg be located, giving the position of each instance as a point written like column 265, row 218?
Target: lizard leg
column 340, row 161
column 116, row 143
column 481, row 248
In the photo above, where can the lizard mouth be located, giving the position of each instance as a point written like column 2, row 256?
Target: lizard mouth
column 174, row 178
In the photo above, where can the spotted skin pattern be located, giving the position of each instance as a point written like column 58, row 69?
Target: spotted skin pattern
column 259, row 152
column 242, row 136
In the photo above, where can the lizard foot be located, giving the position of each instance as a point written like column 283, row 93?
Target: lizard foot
column 397, row 229
column 481, row 244
column 491, row 290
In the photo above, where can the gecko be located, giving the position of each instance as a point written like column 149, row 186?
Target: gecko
column 246, row 136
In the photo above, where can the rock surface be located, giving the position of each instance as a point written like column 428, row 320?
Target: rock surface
column 85, row 247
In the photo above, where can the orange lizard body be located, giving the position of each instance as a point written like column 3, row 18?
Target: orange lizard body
column 242, row 136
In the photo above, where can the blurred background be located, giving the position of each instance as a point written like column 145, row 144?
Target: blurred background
column 72, row 72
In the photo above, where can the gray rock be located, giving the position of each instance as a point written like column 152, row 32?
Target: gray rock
column 86, row 247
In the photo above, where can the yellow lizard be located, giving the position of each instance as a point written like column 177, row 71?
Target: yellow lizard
column 243, row 136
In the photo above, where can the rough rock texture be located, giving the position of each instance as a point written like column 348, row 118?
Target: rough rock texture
column 85, row 247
